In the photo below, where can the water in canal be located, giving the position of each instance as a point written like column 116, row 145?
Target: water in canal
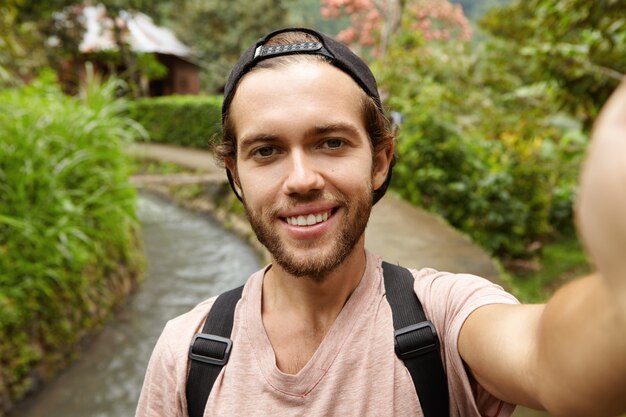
column 190, row 258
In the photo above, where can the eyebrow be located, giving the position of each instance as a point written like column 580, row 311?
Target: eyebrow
column 333, row 127
column 249, row 141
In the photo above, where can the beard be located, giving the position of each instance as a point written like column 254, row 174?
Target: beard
column 316, row 263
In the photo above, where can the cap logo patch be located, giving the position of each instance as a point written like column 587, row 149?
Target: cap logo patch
column 265, row 51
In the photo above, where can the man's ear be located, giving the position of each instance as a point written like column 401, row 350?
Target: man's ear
column 231, row 166
column 382, row 161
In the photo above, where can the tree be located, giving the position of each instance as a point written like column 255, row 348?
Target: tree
column 373, row 23
column 219, row 30
column 476, row 9
column 21, row 43
column 579, row 46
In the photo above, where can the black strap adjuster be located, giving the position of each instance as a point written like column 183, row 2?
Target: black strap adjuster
column 415, row 340
column 211, row 349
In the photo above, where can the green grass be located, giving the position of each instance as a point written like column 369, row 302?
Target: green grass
column 559, row 262
column 68, row 246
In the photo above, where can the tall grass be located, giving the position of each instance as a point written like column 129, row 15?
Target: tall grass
column 67, row 224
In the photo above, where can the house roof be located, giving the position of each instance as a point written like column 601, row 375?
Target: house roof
column 138, row 30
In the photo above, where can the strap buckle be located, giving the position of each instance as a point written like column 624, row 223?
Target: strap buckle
column 209, row 349
column 411, row 342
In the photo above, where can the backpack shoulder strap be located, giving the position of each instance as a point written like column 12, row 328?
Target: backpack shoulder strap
column 210, row 350
column 417, row 345
column 416, row 341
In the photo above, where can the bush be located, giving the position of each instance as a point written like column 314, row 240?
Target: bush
column 68, row 250
column 480, row 147
column 179, row 120
column 493, row 190
column 507, row 193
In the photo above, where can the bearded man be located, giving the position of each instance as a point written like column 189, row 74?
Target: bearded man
column 308, row 149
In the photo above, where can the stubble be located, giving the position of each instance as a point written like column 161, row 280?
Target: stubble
column 317, row 267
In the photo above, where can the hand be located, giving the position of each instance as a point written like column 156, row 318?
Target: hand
column 601, row 205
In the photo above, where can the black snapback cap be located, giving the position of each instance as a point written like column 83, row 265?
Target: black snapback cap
column 338, row 54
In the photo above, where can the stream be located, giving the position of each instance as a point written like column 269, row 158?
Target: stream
column 189, row 258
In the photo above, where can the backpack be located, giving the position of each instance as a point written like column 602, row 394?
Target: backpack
column 416, row 344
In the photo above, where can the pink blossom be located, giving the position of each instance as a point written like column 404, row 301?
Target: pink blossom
column 347, row 36
column 437, row 20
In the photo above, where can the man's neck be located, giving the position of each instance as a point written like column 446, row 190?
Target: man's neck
column 315, row 301
column 297, row 312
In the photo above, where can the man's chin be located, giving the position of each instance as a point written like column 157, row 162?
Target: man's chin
column 304, row 264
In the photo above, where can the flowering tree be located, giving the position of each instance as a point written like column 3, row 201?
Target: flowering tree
column 440, row 20
column 373, row 22
column 365, row 17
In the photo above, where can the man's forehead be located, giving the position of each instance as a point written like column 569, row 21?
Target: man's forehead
column 299, row 100
column 297, row 73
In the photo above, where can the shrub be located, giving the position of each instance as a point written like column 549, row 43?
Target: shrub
column 480, row 146
column 180, row 120
column 493, row 190
column 68, row 250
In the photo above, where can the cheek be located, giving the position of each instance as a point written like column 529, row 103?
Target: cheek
column 259, row 183
column 352, row 176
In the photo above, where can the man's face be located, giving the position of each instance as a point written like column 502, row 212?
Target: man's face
column 304, row 164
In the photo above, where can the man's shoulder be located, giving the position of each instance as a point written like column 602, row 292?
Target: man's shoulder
column 183, row 327
column 451, row 281
column 180, row 330
column 429, row 279
column 448, row 298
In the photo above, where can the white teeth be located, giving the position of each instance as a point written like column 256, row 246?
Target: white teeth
column 308, row 220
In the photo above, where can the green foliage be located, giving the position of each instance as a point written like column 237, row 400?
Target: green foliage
column 180, row 120
column 220, row 30
column 306, row 13
column 150, row 67
column 477, row 145
column 20, row 44
column 579, row 45
column 493, row 190
column 67, row 224
column 560, row 261
column 475, row 9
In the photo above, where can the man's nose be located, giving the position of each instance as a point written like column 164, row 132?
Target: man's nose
column 304, row 175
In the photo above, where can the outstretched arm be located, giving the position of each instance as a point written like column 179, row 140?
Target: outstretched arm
column 569, row 356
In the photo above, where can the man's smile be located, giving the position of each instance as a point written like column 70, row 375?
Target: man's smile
column 309, row 219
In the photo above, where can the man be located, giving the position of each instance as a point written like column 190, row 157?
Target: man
column 309, row 151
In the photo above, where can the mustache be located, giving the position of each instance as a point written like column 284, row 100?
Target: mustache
column 312, row 197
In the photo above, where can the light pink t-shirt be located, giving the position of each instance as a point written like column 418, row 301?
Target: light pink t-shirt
column 354, row 371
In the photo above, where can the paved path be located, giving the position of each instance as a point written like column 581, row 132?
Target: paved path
column 397, row 231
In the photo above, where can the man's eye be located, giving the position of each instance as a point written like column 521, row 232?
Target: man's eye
column 264, row 152
column 333, row 143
